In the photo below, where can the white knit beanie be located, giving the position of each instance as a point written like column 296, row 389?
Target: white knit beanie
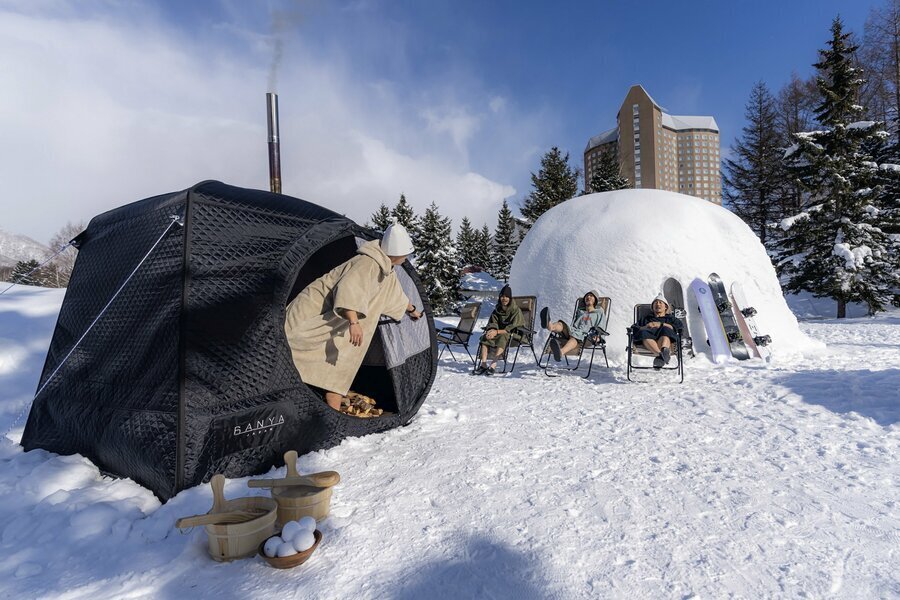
column 660, row 296
column 396, row 241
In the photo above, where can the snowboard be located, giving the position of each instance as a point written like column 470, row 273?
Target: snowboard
column 675, row 297
column 715, row 333
column 733, row 334
column 746, row 318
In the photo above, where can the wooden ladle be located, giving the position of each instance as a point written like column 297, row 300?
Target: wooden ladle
column 323, row 479
column 221, row 518
column 218, row 515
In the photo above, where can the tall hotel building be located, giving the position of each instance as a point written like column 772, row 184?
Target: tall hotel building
column 661, row 151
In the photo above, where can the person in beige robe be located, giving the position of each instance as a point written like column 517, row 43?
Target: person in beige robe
column 330, row 324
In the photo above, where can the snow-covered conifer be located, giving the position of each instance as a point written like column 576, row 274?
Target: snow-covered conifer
column 406, row 216
column 436, row 260
column 22, row 273
column 837, row 248
column 381, row 218
column 482, row 249
column 606, row 176
column 505, row 243
column 465, row 243
column 555, row 182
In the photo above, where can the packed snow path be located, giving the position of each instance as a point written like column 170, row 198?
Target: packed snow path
column 747, row 480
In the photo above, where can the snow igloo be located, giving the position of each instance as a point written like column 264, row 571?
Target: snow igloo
column 628, row 242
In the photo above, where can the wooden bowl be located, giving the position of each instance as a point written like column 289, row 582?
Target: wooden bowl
column 287, row 562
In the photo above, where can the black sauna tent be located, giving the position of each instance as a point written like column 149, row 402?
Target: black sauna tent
column 188, row 372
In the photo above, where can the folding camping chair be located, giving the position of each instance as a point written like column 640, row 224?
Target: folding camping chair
column 459, row 335
column 578, row 351
column 523, row 337
column 638, row 349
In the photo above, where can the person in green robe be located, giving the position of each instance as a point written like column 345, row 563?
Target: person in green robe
column 501, row 327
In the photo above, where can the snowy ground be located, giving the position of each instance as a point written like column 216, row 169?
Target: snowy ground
column 748, row 480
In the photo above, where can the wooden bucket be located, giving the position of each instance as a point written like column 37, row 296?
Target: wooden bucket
column 298, row 501
column 239, row 540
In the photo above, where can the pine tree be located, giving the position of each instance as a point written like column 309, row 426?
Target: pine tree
column 482, row 249
column 21, row 276
column 505, row 243
column 796, row 104
column 755, row 177
column 406, row 216
column 554, row 183
column 381, row 218
column 836, row 248
column 436, row 260
column 606, row 176
column 886, row 200
column 465, row 243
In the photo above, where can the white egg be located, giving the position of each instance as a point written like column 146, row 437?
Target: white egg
column 304, row 540
column 271, row 546
column 286, row 549
column 290, row 529
column 307, row 523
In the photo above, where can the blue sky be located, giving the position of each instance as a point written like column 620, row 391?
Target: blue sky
column 447, row 101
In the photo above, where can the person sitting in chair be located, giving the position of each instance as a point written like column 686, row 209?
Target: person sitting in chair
column 658, row 331
column 330, row 324
column 586, row 324
column 505, row 319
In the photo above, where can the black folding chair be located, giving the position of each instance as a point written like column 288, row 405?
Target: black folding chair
column 577, row 353
column 638, row 349
column 459, row 335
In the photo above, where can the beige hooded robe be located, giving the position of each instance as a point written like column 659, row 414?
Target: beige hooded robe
column 319, row 335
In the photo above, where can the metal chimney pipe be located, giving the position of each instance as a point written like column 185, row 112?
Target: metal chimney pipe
column 274, row 143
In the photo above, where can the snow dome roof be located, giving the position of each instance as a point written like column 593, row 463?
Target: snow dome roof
column 628, row 242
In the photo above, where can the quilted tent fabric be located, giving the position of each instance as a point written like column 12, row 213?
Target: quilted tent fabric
column 188, row 372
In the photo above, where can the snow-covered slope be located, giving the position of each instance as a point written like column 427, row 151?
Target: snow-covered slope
column 627, row 243
column 15, row 247
column 747, row 481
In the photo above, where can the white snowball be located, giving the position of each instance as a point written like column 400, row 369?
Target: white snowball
column 304, row 540
column 286, row 549
column 307, row 523
column 271, row 546
column 290, row 529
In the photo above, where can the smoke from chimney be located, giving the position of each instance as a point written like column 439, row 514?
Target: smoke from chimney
column 282, row 22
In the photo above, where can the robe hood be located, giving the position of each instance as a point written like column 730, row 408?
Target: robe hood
column 373, row 250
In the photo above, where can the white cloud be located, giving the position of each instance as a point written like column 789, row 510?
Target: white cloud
column 455, row 121
column 99, row 111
